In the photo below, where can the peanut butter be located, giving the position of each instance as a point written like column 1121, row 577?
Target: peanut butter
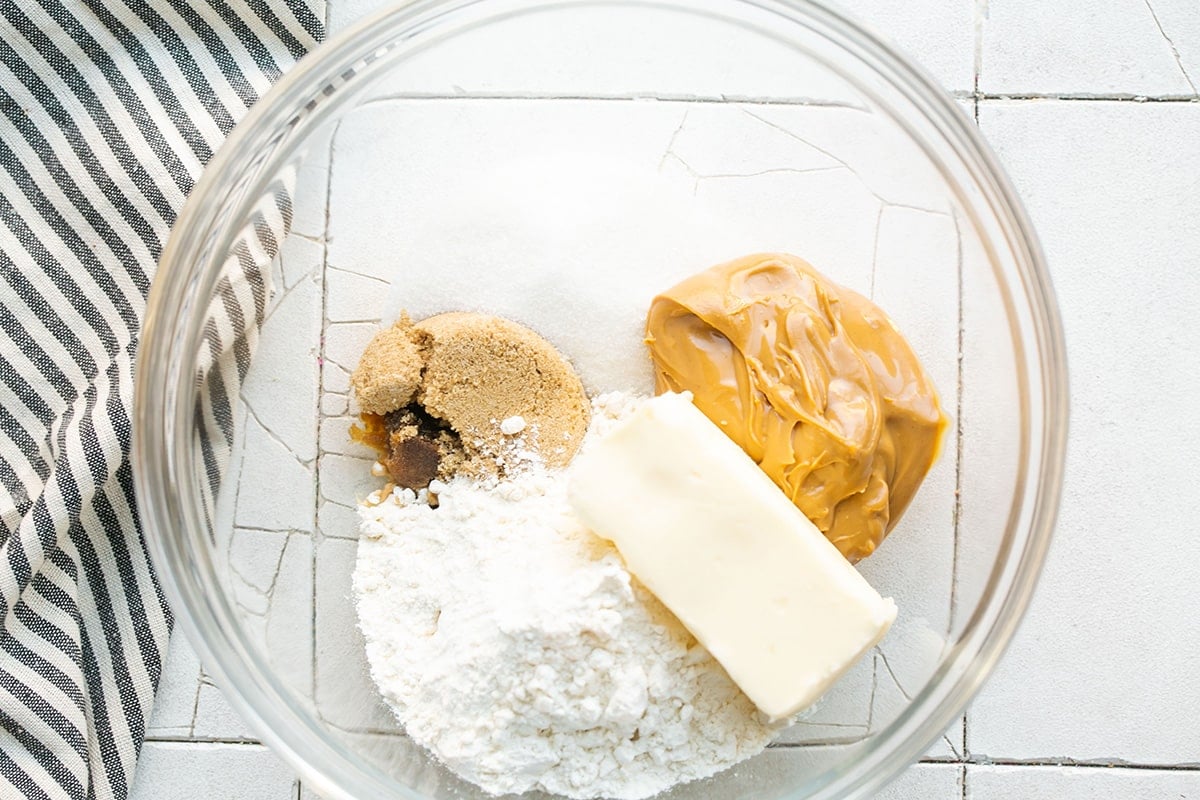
column 812, row 380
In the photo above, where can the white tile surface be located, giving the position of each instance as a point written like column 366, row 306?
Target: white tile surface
column 187, row 771
column 926, row 782
column 940, row 34
column 215, row 718
column 343, row 12
column 1079, row 783
column 1136, row 47
column 618, row 50
column 1104, row 665
column 345, row 696
column 175, row 701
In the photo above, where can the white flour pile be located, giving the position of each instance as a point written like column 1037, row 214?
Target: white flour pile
column 513, row 644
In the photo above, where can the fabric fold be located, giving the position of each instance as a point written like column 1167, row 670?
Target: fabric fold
column 108, row 113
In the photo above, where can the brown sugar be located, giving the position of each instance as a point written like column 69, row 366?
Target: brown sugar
column 419, row 448
column 481, row 370
column 389, row 371
column 433, row 396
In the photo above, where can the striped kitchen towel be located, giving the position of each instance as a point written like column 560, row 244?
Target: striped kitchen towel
column 109, row 110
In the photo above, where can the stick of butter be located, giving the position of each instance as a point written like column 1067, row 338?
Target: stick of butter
column 724, row 549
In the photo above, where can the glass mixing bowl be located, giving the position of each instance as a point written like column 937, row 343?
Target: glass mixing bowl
column 552, row 161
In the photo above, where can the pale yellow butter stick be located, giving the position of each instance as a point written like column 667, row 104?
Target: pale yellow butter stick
column 720, row 545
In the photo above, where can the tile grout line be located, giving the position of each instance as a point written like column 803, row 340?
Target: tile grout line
column 983, row 761
column 974, row 94
column 966, row 757
column 958, row 453
column 956, row 514
column 207, row 740
column 318, row 536
column 966, row 750
column 978, row 61
column 1104, row 97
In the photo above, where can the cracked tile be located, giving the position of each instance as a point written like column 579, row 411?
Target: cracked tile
column 335, row 438
column 717, row 141
column 1179, row 26
column 334, row 405
column 310, row 193
column 891, row 698
column 950, row 744
column 282, row 395
column 344, row 343
column 335, row 378
column 187, row 770
column 988, row 417
column 272, row 581
column 1142, row 47
column 916, row 281
column 843, row 713
column 598, row 213
column 352, row 297
column 227, row 494
column 889, row 166
column 254, row 561
column 300, row 258
column 175, row 700
column 216, row 719
column 255, row 556
column 338, row 521
column 289, row 620
column 276, row 490
column 346, row 479
column 345, row 695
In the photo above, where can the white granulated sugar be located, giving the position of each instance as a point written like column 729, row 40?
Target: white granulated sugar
column 515, row 646
column 573, row 244
column 511, row 426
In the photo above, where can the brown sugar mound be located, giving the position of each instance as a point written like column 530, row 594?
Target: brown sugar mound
column 481, row 370
column 433, row 395
column 389, row 371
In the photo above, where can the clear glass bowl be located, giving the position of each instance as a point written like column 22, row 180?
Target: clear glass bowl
column 396, row 157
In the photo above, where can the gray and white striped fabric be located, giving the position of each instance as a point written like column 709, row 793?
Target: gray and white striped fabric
column 109, row 110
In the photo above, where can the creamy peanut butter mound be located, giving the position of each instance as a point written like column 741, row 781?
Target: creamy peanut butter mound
column 812, row 380
column 434, row 394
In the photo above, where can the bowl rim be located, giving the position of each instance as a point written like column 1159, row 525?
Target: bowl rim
column 159, row 419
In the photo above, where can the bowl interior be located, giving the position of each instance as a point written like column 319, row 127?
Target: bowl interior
column 558, row 164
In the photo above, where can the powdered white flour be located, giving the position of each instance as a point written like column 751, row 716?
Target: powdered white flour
column 513, row 644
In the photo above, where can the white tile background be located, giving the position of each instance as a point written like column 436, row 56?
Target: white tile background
column 1092, row 105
